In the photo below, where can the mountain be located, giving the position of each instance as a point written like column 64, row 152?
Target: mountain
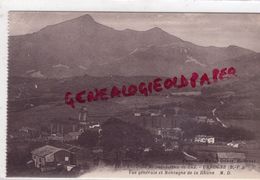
column 247, row 65
column 83, row 46
column 173, row 59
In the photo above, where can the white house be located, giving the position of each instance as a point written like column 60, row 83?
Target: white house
column 49, row 157
column 236, row 144
column 204, row 139
column 136, row 114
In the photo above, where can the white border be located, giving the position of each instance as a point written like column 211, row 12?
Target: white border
column 134, row 5
column 97, row 5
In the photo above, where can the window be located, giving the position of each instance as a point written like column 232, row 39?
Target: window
column 66, row 158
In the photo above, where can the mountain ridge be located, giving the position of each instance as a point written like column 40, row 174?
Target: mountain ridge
column 83, row 46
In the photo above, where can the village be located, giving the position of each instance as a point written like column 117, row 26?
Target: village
column 78, row 145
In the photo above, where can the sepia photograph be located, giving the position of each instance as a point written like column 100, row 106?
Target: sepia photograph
column 133, row 94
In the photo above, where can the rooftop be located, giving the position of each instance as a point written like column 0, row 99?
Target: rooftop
column 203, row 136
column 45, row 150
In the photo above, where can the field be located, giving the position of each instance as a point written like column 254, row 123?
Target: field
column 97, row 111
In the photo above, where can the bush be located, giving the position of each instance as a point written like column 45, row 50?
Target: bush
column 119, row 134
column 88, row 139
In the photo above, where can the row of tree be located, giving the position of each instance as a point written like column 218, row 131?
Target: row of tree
column 192, row 129
column 117, row 134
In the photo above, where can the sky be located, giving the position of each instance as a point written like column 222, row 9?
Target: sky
column 204, row 29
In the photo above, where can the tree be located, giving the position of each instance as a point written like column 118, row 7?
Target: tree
column 117, row 134
column 88, row 139
column 123, row 140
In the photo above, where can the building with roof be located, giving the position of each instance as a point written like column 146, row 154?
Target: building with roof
column 236, row 144
column 204, row 139
column 204, row 119
column 230, row 157
column 171, row 133
column 28, row 132
column 49, row 157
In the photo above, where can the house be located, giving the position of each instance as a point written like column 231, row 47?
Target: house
column 204, row 119
column 236, row 144
column 94, row 126
column 204, row 139
column 171, row 133
column 170, row 146
column 210, row 121
column 155, row 113
column 137, row 114
column 227, row 157
column 201, row 118
column 49, row 157
column 28, row 132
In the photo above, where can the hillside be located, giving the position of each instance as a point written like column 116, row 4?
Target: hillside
column 83, row 46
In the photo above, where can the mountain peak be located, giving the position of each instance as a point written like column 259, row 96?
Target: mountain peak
column 85, row 18
column 156, row 29
column 66, row 25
